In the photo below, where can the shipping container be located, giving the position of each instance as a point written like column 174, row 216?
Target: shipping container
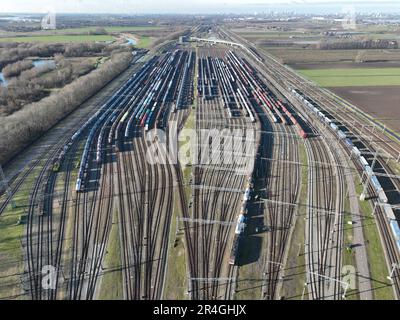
column 364, row 162
column 396, row 232
column 375, row 182
column 334, row 126
column 382, row 196
column 389, row 212
column 235, row 250
column 341, row 134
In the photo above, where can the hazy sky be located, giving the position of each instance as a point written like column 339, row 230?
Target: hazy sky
column 187, row 6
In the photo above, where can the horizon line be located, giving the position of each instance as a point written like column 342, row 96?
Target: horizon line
column 184, row 13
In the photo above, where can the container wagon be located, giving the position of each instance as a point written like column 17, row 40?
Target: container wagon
column 235, row 250
column 396, row 232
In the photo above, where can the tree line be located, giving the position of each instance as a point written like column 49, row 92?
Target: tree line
column 12, row 52
column 27, row 84
column 25, row 125
column 15, row 69
column 357, row 44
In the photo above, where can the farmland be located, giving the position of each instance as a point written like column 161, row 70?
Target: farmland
column 310, row 42
column 258, row 35
column 301, row 56
column 373, row 90
column 199, row 157
column 144, row 34
column 82, row 31
column 59, row 38
column 369, row 78
column 109, row 29
column 354, row 77
column 144, row 42
column 381, row 102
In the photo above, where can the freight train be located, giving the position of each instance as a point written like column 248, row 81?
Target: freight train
column 57, row 160
column 241, row 222
column 254, row 88
column 140, row 101
column 347, row 141
column 302, row 132
column 361, row 161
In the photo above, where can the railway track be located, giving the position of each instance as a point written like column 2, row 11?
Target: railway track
column 285, row 77
column 324, row 227
column 211, row 276
column 147, row 206
column 329, row 197
column 91, row 222
column 116, row 177
column 43, row 244
column 57, row 143
column 282, row 183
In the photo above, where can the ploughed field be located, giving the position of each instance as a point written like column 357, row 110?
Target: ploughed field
column 382, row 102
column 372, row 87
column 293, row 55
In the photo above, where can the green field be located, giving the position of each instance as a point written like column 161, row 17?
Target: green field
column 109, row 29
column 59, row 38
column 80, row 31
column 144, row 42
column 278, row 35
column 74, row 34
column 354, row 77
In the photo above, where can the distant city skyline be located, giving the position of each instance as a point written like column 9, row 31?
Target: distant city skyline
column 196, row 6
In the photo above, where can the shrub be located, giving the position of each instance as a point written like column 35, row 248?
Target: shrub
column 29, row 123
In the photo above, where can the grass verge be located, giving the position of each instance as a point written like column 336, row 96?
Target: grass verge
column 176, row 277
column 111, row 284
column 11, row 235
column 144, row 42
column 295, row 273
column 349, row 256
column 382, row 289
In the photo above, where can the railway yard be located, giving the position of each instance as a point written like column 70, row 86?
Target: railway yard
column 207, row 170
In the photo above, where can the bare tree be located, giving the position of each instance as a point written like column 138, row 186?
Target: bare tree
column 24, row 126
column 14, row 69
